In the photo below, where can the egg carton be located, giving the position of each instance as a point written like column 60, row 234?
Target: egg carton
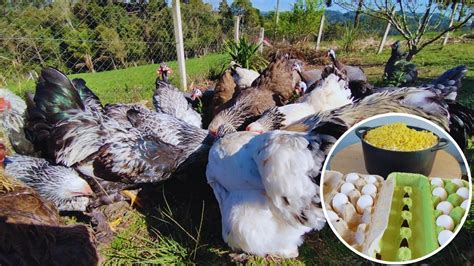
column 410, row 215
column 450, row 202
column 351, row 200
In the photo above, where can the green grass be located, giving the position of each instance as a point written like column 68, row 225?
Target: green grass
column 135, row 83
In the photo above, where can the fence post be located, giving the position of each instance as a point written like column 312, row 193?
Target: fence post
column 178, row 35
column 237, row 29
column 384, row 39
column 320, row 33
column 260, row 39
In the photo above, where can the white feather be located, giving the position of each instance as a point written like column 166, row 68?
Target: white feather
column 244, row 77
column 243, row 176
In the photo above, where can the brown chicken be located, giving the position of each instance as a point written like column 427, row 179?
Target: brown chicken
column 224, row 91
column 274, row 87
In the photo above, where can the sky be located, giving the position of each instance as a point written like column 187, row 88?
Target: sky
column 264, row 5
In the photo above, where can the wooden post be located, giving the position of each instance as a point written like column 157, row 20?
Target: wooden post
column 384, row 39
column 320, row 33
column 178, row 35
column 277, row 13
column 260, row 39
column 237, row 29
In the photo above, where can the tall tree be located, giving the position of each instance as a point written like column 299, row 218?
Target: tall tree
column 412, row 19
column 225, row 13
column 244, row 8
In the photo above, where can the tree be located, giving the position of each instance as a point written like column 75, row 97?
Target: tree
column 225, row 13
column 244, row 8
column 406, row 18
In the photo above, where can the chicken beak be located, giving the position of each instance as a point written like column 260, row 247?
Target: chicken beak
column 87, row 191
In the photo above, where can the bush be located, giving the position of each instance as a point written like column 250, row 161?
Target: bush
column 245, row 53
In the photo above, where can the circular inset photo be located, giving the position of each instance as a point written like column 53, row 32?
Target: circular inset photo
column 396, row 188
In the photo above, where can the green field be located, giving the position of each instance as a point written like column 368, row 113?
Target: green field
column 180, row 229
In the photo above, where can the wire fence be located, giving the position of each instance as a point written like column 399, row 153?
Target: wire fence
column 92, row 36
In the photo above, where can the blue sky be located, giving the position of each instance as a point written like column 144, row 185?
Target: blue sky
column 263, row 5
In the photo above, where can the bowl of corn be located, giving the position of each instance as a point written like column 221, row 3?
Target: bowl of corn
column 399, row 148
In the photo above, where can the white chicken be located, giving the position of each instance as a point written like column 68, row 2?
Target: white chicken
column 243, row 77
column 330, row 94
column 266, row 189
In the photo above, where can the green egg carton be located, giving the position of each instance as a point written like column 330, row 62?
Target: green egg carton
column 411, row 229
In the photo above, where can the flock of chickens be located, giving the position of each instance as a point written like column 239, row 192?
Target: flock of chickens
column 261, row 140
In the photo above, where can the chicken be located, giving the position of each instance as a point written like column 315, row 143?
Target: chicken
column 397, row 70
column 12, row 112
column 203, row 101
column 225, row 90
column 414, row 101
column 31, row 231
column 112, row 155
column 59, row 184
column 164, row 71
column 353, row 73
column 309, row 77
column 266, row 187
column 243, row 77
column 88, row 97
column 331, row 93
column 169, row 100
column 274, row 87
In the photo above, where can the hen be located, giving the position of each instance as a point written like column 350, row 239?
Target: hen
column 331, row 93
column 266, row 187
column 274, row 87
column 31, row 232
column 243, row 77
column 169, row 100
column 12, row 112
column 113, row 154
column 59, row 184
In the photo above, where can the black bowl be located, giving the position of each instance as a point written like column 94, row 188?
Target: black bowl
column 383, row 162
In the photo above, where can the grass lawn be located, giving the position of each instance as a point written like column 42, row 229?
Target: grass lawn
column 177, row 229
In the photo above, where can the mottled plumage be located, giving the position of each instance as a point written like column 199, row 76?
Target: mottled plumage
column 12, row 112
column 59, row 184
column 169, row 100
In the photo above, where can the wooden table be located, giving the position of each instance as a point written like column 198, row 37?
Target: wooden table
column 351, row 159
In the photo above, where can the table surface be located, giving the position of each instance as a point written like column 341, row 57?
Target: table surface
column 351, row 159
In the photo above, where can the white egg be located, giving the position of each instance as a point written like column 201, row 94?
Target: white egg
column 332, row 216
column 339, row 200
column 347, row 187
column 444, row 236
column 369, row 189
column 437, row 182
column 440, row 192
column 463, row 192
column 465, row 204
column 352, row 177
column 445, row 207
column 445, row 221
column 457, row 181
column 370, row 179
column 365, row 201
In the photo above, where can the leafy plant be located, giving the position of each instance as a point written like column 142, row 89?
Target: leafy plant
column 349, row 37
column 401, row 74
column 245, row 53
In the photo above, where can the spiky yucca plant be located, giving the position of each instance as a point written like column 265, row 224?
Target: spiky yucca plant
column 245, row 53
